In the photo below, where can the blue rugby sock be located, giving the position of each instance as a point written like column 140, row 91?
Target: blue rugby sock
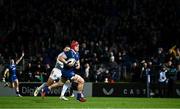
column 46, row 89
column 17, row 92
column 78, row 96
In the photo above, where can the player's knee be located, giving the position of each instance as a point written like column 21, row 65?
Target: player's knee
column 81, row 80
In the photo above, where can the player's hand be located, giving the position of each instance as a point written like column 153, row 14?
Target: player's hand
column 3, row 79
column 76, row 64
column 22, row 53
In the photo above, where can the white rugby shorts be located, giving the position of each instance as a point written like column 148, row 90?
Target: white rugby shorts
column 55, row 74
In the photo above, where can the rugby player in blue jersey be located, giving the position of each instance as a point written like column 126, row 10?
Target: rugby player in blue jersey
column 68, row 69
column 68, row 72
column 11, row 69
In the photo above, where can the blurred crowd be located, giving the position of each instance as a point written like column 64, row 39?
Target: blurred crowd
column 119, row 39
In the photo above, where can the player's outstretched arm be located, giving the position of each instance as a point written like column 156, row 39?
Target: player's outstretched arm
column 17, row 62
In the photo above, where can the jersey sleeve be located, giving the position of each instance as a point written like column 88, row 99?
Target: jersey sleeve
column 63, row 54
column 72, row 54
column 69, row 54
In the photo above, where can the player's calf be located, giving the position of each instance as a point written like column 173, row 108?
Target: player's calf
column 45, row 90
column 80, row 97
column 36, row 91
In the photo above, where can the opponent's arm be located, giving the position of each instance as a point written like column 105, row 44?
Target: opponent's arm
column 63, row 58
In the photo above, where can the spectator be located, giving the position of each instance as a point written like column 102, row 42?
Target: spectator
column 39, row 72
column 131, row 29
column 29, row 73
column 163, row 81
column 135, row 72
column 86, row 72
column 172, row 76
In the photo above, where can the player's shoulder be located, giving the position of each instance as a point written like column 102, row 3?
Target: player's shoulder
column 61, row 54
column 66, row 49
column 68, row 52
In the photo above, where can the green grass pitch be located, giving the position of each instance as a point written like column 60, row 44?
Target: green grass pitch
column 92, row 102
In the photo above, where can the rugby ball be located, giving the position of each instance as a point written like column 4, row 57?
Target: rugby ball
column 71, row 61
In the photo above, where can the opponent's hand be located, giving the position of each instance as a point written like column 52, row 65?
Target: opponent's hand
column 75, row 64
column 70, row 64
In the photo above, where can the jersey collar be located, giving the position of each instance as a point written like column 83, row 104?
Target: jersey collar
column 74, row 51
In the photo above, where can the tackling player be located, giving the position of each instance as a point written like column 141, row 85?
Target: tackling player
column 54, row 76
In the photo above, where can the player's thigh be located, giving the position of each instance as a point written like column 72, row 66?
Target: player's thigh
column 50, row 81
column 78, row 79
column 58, row 83
column 55, row 74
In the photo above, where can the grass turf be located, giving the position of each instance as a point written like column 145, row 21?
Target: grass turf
column 92, row 102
